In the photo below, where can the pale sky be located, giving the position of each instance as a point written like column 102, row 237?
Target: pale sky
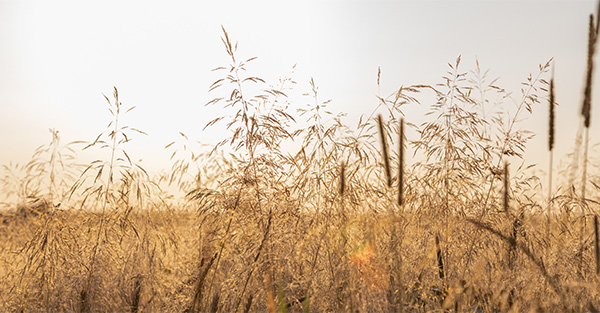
column 57, row 58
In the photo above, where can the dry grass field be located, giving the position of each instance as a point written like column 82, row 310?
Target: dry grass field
column 342, row 224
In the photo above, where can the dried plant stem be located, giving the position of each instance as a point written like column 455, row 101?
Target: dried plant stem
column 596, row 245
column 549, row 209
column 550, row 166
column 583, row 199
column 585, row 159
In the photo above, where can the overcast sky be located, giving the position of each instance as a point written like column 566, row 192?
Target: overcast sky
column 57, row 58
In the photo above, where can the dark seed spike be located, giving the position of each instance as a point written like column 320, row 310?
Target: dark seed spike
column 401, row 165
column 342, row 178
column 440, row 261
column 587, row 96
column 386, row 159
column 551, row 116
column 506, row 186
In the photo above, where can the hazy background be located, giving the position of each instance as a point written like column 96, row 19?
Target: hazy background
column 57, row 58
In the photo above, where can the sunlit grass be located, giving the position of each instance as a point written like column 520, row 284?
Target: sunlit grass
column 328, row 227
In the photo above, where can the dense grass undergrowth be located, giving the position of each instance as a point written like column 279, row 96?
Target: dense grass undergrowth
column 342, row 224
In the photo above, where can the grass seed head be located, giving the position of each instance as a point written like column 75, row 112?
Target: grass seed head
column 384, row 148
column 506, row 186
column 401, row 164
column 587, row 96
column 551, row 117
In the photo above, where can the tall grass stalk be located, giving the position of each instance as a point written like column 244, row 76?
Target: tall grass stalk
column 551, row 130
column 587, row 98
column 113, row 139
column 586, row 114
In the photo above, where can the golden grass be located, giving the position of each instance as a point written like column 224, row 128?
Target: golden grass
column 337, row 267
column 315, row 230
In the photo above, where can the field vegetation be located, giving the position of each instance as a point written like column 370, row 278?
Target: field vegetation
column 358, row 218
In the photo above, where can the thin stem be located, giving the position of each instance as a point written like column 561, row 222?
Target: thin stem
column 550, row 181
column 585, row 159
